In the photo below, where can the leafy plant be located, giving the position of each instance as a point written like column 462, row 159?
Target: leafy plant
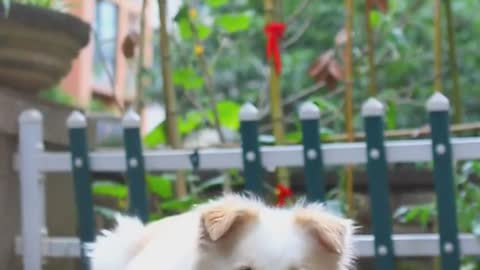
column 57, row 95
column 194, row 120
column 468, row 208
column 160, row 192
column 468, row 203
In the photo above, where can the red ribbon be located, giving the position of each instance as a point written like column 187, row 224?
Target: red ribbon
column 274, row 32
column 283, row 193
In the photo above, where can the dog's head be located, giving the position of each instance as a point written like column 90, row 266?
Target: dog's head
column 238, row 233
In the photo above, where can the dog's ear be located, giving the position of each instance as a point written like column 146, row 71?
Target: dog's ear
column 218, row 219
column 332, row 233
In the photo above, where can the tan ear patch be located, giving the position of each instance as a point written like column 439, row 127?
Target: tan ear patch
column 217, row 221
column 329, row 230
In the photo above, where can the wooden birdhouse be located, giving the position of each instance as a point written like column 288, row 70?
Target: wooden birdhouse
column 326, row 69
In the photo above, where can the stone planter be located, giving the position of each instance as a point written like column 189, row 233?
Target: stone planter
column 37, row 46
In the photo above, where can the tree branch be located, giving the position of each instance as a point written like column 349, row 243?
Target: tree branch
column 304, row 93
column 208, row 81
column 298, row 11
column 298, row 33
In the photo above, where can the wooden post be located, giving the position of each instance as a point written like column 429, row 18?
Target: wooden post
column 349, row 96
column 276, row 97
column 437, row 45
column 171, row 128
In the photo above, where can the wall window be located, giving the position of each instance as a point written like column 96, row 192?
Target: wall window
column 106, row 33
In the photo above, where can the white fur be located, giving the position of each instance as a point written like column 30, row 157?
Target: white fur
column 274, row 241
column 114, row 249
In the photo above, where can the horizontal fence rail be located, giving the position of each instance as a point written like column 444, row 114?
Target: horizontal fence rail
column 406, row 245
column 401, row 151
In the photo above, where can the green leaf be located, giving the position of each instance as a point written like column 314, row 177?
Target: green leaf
column 326, row 106
column 325, row 133
column 194, row 83
column 216, row 3
column 156, row 136
column 179, row 205
column 160, row 185
column 228, row 113
column 375, row 17
column 391, row 115
column 181, row 14
column 191, row 122
column 185, row 29
column 232, row 23
column 187, row 78
column 294, row 136
column 110, row 189
column 204, row 31
column 57, row 95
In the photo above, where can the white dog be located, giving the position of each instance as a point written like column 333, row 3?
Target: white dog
column 230, row 233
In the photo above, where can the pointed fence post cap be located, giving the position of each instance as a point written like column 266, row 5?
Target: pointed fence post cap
column 76, row 120
column 372, row 107
column 438, row 103
column 30, row 116
column 131, row 119
column 309, row 111
column 248, row 112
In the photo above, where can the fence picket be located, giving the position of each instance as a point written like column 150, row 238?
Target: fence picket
column 77, row 126
column 438, row 108
column 252, row 163
column 312, row 153
column 138, row 204
column 372, row 113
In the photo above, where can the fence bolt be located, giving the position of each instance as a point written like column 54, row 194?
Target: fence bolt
column 250, row 156
column 448, row 247
column 78, row 162
column 382, row 250
column 440, row 148
column 374, row 153
column 312, row 154
column 133, row 162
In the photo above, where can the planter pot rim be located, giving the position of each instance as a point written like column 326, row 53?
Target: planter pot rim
column 47, row 20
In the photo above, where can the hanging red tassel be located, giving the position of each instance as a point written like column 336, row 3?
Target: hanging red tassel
column 283, row 193
column 274, row 32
